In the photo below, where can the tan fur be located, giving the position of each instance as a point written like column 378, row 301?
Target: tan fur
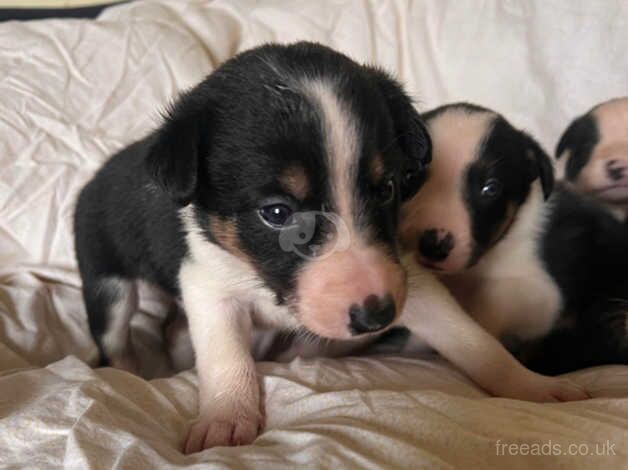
column 377, row 170
column 219, row 290
column 295, row 181
column 225, row 232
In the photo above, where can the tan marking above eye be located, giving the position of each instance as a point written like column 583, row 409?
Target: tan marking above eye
column 294, row 180
column 376, row 170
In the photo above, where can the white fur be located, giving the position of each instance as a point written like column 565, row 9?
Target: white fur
column 514, row 295
column 509, row 291
column 341, row 141
column 116, row 341
column 221, row 275
column 223, row 297
column 457, row 138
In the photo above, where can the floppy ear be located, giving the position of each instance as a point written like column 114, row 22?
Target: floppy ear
column 412, row 136
column 174, row 157
column 541, row 167
column 580, row 138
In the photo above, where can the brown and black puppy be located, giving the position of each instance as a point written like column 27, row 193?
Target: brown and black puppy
column 521, row 260
column 594, row 152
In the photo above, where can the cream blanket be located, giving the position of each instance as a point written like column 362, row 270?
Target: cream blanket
column 72, row 92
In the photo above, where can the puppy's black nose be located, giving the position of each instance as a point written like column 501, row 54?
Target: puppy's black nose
column 373, row 315
column 615, row 170
column 435, row 244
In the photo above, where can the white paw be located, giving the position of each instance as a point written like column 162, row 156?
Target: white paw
column 559, row 389
column 541, row 388
column 208, row 431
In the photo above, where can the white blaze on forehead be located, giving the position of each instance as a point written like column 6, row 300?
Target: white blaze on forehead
column 612, row 124
column 612, row 119
column 457, row 136
column 341, row 145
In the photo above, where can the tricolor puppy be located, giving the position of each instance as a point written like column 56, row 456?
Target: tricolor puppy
column 268, row 197
column 594, row 150
column 519, row 262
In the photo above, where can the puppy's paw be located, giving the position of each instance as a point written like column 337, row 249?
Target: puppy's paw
column 559, row 389
column 209, row 431
column 541, row 388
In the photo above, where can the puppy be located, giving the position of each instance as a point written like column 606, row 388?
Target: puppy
column 212, row 207
column 519, row 262
column 594, row 151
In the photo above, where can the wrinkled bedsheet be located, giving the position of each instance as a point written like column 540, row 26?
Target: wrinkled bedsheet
column 72, row 92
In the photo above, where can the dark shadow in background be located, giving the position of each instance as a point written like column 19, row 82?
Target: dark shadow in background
column 24, row 14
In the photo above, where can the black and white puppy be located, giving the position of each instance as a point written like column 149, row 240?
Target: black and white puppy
column 521, row 260
column 268, row 197
column 594, row 152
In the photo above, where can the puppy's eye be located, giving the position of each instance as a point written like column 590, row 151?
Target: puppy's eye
column 276, row 215
column 492, row 188
column 387, row 192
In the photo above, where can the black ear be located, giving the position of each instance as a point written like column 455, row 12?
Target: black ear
column 174, row 157
column 541, row 167
column 412, row 136
column 580, row 138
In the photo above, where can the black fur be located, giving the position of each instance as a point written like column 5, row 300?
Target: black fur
column 598, row 338
column 582, row 247
column 410, row 130
column 510, row 157
column 221, row 149
column 580, row 139
column 585, row 250
column 515, row 160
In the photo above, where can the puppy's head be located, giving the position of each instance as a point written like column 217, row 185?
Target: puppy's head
column 594, row 150
column 482, row 172
column 295, row 159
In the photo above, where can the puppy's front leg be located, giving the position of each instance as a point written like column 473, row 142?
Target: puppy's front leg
column 229, row 396
column 435, row 316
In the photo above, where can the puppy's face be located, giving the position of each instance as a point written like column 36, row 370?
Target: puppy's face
column 594, row 149
column 295, row 160
column 481, row 174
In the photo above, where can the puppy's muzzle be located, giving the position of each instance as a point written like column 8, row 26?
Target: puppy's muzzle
column 373, row 315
